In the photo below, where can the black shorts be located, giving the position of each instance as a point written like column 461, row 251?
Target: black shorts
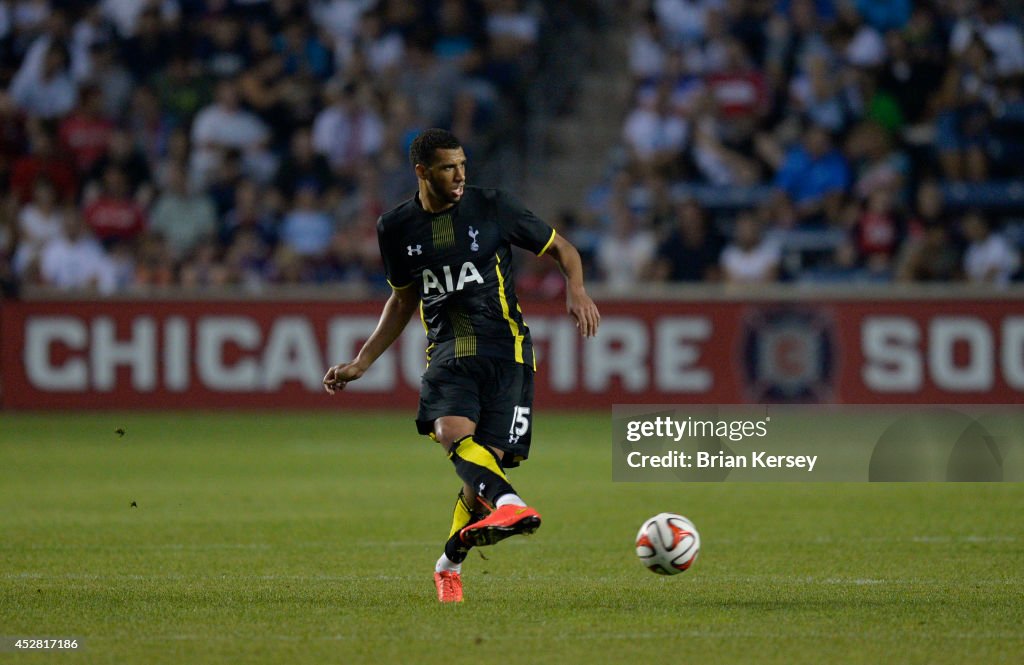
column 495, row 394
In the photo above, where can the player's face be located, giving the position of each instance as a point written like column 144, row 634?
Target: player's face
column 446, row 177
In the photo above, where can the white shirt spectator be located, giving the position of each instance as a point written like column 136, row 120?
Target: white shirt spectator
column 340, row 18
column 49, row 97
column 683, row 20
column 648, row 132
column 867, row 48
column 36, row 228
column 757, row 264
column 623, row 258
column 346, row 136
column 217, row 126
column 1003, row 38
column 77, row 264
column 521, row 26
column 39, row 227
column 646, row 55
column 992, row 260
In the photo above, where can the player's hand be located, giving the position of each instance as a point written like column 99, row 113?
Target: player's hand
column 338, row 376
column 584, row 311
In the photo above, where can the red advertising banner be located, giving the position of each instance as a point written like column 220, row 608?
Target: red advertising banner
column 183, row 354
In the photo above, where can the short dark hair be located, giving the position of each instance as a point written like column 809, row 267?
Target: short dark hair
column 423, row 146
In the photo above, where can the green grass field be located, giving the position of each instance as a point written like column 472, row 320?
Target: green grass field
column 310, row 538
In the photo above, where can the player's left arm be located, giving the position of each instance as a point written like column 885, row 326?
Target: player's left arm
column 577, row 302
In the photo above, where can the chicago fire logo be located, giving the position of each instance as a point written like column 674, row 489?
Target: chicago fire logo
column 789, row 355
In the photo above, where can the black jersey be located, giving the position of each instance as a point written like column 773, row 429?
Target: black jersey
column 460, row 260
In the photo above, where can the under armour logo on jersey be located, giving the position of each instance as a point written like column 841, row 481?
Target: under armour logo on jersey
column 418, row 249
column 480, row 490
column 513, row 439
column 473, row 234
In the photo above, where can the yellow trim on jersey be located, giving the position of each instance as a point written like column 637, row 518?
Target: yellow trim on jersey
column 512, row 325
column 474, row 453
column 426, row 331
column 548, row 243
column 400, row 288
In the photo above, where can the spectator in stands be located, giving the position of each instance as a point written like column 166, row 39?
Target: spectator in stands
column 989, row 258
column 930, row 256
column 147, row 48
column 690, row 252
column 999, row 36
column 911, row 74
column 815, row 94
column 39, row 221
column 184, row 217
column 306, row 228
column 966, row 100
column 750, row 258
column 811, row 180
column 123, row 154
column 302, row 51
column 885, row 15
column 154, row 265
column 268, row 91
column 656, row 133
column 86, row 132
column 878, row 232
column 74, row 260
column 45, row 89
column 206, row 269
column 876, row 163
column 114, row 216
column 739, row 91
column 251, row 215
column 625, row 254
column 225, row 125
column 646, row 48
column 182, row 88
column 149, row 127
column 222, row 48
column 111, row 77
column 43, row 160
column 349, row 131
column 380, row 46
column 302, row 166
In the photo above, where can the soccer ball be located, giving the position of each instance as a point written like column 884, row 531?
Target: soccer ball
column 668, row 544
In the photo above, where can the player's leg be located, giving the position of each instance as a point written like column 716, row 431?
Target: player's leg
column 468, row 509
column 448, row 569
column 504, row 426
column 478, row 466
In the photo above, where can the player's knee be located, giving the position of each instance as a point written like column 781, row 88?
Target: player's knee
column 449, row 430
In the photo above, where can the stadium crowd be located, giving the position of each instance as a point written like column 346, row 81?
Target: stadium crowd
column 836, row 141
column 204, row 143
column 236, row 142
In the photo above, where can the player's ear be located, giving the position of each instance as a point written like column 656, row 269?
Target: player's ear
column 421, row 171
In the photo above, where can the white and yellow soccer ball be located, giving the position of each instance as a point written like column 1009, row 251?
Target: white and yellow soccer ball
column 668, row 544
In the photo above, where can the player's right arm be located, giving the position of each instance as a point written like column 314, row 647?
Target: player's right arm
column 397, row 312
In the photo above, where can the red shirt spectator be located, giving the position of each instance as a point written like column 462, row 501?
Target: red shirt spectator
column 739, row 90
column 115, row 215
column 86, row 133
column 43, row 162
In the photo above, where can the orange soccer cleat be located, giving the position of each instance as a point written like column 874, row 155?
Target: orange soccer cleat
column 449, row 586
column 506, row 521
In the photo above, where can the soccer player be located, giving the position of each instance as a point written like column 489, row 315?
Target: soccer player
column 448, row 252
